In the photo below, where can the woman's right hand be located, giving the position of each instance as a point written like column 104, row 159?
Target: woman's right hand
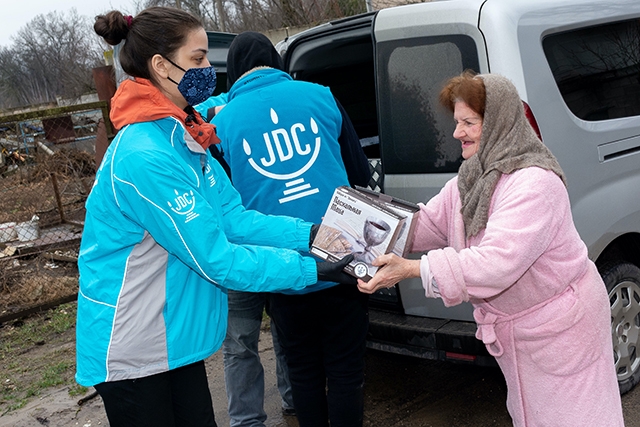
column 391, row 270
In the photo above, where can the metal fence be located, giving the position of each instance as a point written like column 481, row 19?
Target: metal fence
column 47, row 168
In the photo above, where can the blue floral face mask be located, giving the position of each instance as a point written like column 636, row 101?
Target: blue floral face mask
column 197, row 84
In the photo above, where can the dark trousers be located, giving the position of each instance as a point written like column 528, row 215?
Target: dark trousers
column 177, row 398
column 323, row 336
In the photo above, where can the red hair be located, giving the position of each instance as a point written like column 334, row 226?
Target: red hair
column 466, row 88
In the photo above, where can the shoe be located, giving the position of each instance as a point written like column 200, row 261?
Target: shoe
column 289, row 412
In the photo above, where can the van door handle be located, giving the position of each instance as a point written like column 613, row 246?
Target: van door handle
column 617, row 149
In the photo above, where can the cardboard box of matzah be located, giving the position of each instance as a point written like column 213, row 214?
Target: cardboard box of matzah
column 408, row 209
column 355, row 223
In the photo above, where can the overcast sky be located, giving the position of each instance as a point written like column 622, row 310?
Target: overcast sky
column 15, row 14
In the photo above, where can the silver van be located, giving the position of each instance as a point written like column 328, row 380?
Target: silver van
column 576, row 64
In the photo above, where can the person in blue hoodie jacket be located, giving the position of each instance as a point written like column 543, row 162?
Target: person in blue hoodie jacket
column 166, row 234
column 244, row 374
column 288, row 145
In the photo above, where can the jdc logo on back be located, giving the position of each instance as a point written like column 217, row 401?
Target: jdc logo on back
column 283, row 145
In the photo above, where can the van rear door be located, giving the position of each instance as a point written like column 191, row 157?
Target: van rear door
column 418, row 48
column 388, row 80
column 339, row 55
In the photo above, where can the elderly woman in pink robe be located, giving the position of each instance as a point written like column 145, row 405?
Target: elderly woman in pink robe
column 501, row 236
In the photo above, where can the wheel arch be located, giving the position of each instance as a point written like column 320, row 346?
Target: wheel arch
column 623, row 248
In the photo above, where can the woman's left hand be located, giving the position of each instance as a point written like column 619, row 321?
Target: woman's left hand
column 391, row 270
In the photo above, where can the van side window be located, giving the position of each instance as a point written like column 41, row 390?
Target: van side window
column 417, row 133
column 597, row 68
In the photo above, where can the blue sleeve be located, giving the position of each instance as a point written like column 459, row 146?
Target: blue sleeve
column 245, row 226
column 213, row 101
column 200, row 239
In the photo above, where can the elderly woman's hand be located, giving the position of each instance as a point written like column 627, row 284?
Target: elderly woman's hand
column 392, row 269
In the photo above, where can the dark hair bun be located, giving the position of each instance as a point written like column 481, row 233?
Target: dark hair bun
column 112, row 27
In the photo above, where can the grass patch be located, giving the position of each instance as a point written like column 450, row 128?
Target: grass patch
column 37, row 354
column 77, row 390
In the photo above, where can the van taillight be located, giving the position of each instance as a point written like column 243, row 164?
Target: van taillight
column 460, row 357
column 532, row 119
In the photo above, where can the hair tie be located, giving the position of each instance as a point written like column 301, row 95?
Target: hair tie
column 129, row 20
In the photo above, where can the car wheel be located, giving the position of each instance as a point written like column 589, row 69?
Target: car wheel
column 623, row 285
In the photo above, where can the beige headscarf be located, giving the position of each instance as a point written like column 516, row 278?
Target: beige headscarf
column 508, row 143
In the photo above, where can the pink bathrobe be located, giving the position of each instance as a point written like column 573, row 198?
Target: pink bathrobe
column 541, row 307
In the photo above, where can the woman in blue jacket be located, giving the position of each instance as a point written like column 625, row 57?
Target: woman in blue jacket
column 166, row 234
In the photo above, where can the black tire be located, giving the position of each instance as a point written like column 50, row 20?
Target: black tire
column 623, row 286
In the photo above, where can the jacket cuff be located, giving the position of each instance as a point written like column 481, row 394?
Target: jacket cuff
column 428, row 281
column 304, row 232
column 310, row 271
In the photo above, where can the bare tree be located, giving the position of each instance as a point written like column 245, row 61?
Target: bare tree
column 55, row 56
column 261, row 15
column 14, row 87
column 57, row 51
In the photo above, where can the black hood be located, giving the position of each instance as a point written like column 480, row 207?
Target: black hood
column 249, row 50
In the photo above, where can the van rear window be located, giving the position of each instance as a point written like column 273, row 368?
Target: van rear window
column 597, row 69
column 416, row 133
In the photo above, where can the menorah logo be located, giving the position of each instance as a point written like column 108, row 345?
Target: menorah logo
column 281, row 146
column 184, row 205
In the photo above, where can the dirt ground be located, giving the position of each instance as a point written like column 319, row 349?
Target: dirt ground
column 55, row 407
column 400, row 391
column 37, row 279
column 395, row 394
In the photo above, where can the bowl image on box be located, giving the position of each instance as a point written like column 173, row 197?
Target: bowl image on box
column 8, row 232
column 374, row 232
column 408, row 209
